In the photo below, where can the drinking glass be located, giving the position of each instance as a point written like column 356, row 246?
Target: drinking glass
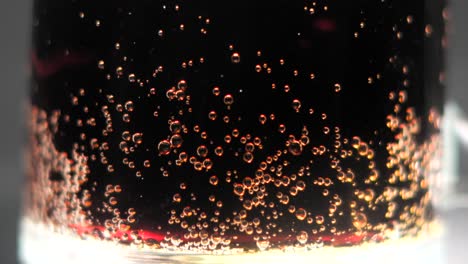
column 244, row 131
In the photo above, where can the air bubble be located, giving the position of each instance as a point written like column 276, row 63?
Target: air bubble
column 235, row 58
column 164, row 147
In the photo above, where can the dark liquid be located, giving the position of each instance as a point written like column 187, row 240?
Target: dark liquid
column 264, row 124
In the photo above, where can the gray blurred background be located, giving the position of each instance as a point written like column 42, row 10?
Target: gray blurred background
column 14, row 24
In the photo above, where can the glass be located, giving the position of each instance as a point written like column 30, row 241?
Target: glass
column 219, row 131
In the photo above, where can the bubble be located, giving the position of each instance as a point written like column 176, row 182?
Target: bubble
column 112, row 201
column 219, row 151
column 131, row 77
column 337, row 87
column 302, row 237
column 176, row 140
column 369, row 195
column 164, row 147
column 129, row 106
column 295, row 148
column 180, row 94
column 126, row 118
column 171, row 93
column 214, row 180
column 374, row 175
column 137, row 138
column 175, row 127
column 428, row 30
column 355, row 142
column 247, row 204
column 216, row 91
column 282, row 128
column 402, row 96
column 301, row 214
column 363, row 149
column 235, row 58
column 263, row 243
column 262, row 119
column 212, row 115
column 182, row 85
column 198, row 166
column 258, row 68
column 239, row 189
column 296, row 105
column 293, row 191
column 187, row 211
column 247, row 182
column 228, row 100
column 409, row 19
column 360, row 220
column 207, row 163
column 119, row 71
column 319, row 219
column 300, row 185
column 101, row 64
column 248, row 157
column 202, row 151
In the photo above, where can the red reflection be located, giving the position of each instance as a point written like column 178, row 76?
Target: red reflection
column 45, row 67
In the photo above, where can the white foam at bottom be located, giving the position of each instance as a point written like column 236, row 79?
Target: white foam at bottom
column 38, row 244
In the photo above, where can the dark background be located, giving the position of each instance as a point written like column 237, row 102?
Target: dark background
column 14, row 45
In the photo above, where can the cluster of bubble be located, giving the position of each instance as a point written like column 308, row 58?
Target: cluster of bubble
column 54, row 178
column 270, row 196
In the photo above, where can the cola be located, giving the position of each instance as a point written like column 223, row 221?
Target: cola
column 210, row 127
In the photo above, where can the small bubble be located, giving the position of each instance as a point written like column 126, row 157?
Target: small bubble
column 202, row 151
column 263, row 243
column 176, row 141
column 302, row 237
column 131, row 77
column 129, row 106
column 112, row 201
column 337, row 87
column 218, row 151
column 295, row 148
column 301, row 214
column 296, row 104
column 214, row 180
column 119, row 71
column 101, row 64
column 175, row 127
column 248, row 157
column 360, row 220
column 409, row 19
column 258, row 68
column 212, row 115
column 319, row 219
column 262, row 118
column 182, row 84
column 216, row 91
column 137, row 138
column 228, row 100
column 235, row 58
column 282, row 128
column 164, row 147
column 239, row 189
column 126, row 118
column 428, row 30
